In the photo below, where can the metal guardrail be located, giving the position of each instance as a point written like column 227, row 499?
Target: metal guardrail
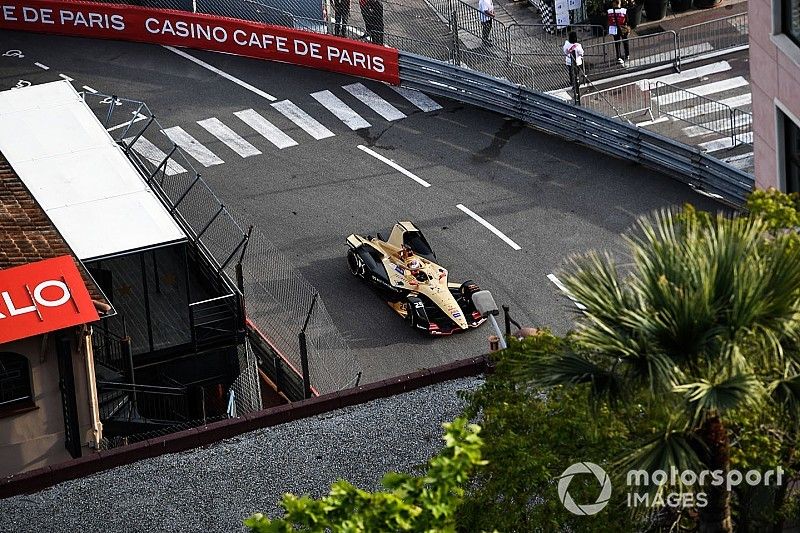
column 560, row 118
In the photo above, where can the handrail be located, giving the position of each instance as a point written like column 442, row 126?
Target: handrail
column 223, row 297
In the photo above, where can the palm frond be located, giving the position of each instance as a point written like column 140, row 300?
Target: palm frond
column 720, row 395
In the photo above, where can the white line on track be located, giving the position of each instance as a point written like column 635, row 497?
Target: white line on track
column 687, row 75
column 394, row 165
column 372, row 100
column 192, row 146
column 229, row 137
column 343, row 112
column 305, row 121
column 562, row 288
column 87, row 88
column 419, row 99
column 43, row 67
column 489, row 226
column 222, row 73
column 66, row 77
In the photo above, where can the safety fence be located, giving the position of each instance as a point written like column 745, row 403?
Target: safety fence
column 685, row 163
column 660, row 49
column 277, row 297
column 714, row 35
column 705, row 114
column 625, row 102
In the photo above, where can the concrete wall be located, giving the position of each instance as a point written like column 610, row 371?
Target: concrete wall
column 35, row 439
column 775, row 82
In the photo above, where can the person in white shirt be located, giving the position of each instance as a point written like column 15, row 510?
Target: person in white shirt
column 486, row 8
column 618, row 27
column 572, row 48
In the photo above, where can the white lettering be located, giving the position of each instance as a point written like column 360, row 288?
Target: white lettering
column 377, row 64
column 8, row 13
column 117, row 22
column 147, row 24
column 64, row 298
column 280, row 44
column 13, row 310
column 300, row 48
column 237, row 34
column 47, row 16
column 29, row 14
column 220, row 34
column 66, row 16
column 314, row 51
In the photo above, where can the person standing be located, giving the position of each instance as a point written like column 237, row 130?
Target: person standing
column 377, row 14
column 486, row 16
column 573, row 53
column 618, row 27
column 342, row 10
column 368, row 16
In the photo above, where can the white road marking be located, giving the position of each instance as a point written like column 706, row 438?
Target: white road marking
column 66, row 77
column 43, row 67
column 561, row 94
column 684, row 52
column 566, row 292
column 265, row 128
column 231, row 139
column 222, row 73
column 305, row 121
column 716, row 126
column 87, row 88
column 488, row 226
column 342, row 111
column 742, row 162
column 418, row 98
column 708, row 107
column 372, row 100
column 687, row 75
column 139, row 117
column 659, row 120
column 192, row 146
column 703, row 90
column 725, row 142
column 394, row 165
column 155, row 156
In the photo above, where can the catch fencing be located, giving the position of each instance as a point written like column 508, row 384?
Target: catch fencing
column 623, row 101
column 277, row 297
column 660, row 49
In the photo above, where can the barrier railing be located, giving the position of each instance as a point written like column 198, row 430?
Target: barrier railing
column 702, row 112
column 714, row 35
column 466, row 23
column 685, row 163
column 546, row 39
column 623, row 102
column 658, row 49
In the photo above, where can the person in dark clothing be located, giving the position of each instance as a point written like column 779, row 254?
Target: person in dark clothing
column 372, row 12
column 342, row 10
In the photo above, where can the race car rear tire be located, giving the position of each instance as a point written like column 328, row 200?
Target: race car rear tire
column 355, row 263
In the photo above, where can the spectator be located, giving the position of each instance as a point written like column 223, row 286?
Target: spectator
column 572, row 49
column 372, row 12
column 486, row 8
column 618, row 27
column 342, row 10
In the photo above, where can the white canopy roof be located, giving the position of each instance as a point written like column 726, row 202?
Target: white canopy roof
column 79, row 175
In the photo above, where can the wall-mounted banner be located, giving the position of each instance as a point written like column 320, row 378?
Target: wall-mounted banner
column 44, row 296
column 205, row 32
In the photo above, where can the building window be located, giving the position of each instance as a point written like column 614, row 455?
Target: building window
column 790, row 20
column 15, row 382
column 791, row 152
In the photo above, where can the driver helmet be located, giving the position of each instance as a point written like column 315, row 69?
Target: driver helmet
column 415, row 264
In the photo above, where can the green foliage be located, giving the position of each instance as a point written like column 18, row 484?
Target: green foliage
column 531, row 437
column 778, row 209
column 418, row 504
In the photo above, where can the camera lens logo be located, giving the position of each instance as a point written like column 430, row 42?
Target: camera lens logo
column 584, row 468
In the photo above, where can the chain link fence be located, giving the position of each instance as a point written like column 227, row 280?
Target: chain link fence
column 277, row 297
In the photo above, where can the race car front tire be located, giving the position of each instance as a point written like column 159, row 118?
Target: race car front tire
column 355, row 263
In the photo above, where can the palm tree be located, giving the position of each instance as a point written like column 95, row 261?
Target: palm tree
column 702, row 322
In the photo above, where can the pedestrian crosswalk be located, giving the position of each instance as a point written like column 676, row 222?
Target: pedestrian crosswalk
column 283, row 124
column 708, row 106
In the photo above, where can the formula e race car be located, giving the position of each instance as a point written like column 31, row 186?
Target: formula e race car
column 403, row 270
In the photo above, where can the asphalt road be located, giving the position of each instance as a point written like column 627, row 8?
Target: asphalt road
column 551, row 197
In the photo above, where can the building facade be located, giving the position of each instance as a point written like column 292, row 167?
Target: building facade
column 775, row 80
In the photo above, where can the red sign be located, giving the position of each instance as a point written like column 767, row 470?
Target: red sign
column 44, row 296
column 205, row 32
